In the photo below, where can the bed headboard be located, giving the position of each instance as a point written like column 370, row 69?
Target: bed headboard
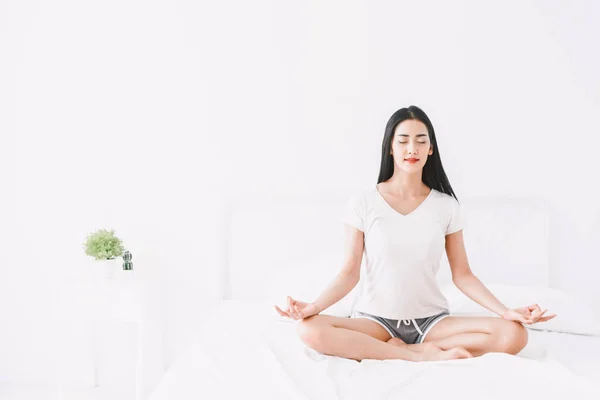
column 506, row 240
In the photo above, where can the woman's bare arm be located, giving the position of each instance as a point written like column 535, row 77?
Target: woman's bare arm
column 349, row 275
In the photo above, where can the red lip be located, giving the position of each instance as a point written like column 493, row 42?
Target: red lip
column 411, row 159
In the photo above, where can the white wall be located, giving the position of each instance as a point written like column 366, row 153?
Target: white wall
column 146, row 117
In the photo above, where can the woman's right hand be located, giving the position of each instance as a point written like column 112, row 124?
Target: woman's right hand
column 297, row 309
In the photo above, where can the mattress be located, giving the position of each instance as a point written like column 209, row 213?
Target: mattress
column 246, row 350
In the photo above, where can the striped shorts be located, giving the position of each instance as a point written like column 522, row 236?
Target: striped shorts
column 410, row 331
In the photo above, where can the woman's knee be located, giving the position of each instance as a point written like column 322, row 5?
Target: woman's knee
column 512, row 337
column 311, row 331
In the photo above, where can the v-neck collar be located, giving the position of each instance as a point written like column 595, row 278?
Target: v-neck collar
column 396, row 211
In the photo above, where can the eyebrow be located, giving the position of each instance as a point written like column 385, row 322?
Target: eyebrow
column 419, row 135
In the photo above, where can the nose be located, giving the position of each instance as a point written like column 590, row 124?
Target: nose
column 411, row 148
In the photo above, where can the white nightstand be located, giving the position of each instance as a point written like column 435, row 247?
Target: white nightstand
column 120, row 299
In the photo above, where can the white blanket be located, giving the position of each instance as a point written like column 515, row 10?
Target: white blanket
column 244, row 354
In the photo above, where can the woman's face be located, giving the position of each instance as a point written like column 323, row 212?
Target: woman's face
column 411, row 145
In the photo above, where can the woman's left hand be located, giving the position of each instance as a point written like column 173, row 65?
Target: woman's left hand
column 528, row 315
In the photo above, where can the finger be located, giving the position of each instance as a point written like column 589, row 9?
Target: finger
column 290, row 309
column 282, row 313
column 296, row 309
column 294, row 302
column 534, row 307
column 537, row 312
column 547, row 318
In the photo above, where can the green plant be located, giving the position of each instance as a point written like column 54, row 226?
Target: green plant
column 103, row 245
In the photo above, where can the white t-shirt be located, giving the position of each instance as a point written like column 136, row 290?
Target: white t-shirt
column 403, row 253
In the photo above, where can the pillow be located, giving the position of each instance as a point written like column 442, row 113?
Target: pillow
column 572, row 315
column 306, row 279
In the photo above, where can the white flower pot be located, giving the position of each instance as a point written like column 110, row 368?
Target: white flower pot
column 106, row 269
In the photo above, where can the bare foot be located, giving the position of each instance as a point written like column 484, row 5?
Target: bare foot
column 421, row 347
column 457, row 353
column 417, row 347
column 397, row 342
column 431, row 352
column 434, row 353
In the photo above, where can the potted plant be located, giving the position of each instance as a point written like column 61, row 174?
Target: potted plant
column 105, row 248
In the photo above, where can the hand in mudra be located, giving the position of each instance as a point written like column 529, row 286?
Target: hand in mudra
column 528, row 315
column 297, row 309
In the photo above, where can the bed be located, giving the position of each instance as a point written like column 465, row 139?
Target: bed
column 291, row 245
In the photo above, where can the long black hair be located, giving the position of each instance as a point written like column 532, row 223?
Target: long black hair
column 433, row 171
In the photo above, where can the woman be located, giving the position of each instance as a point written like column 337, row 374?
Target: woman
column 402, row 225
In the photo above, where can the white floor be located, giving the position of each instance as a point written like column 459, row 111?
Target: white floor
column 14, row 392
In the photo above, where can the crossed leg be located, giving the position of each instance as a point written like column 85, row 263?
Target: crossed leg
column 479, row 335
column 359, row 338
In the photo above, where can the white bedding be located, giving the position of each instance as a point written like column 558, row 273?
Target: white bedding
column 246, row 351
column 579, row 353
